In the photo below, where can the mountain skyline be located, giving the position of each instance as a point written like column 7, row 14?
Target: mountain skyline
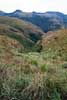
column 22, row 11
column 32, row 5
column 48, row 21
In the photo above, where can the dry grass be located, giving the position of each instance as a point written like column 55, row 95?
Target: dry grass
column 32, row 75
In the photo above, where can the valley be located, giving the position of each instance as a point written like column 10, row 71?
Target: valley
column 33, row 58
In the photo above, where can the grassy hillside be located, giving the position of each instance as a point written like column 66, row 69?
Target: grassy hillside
column 26, row 33
column 9, row 43
column 55, row 44
column 32, row 75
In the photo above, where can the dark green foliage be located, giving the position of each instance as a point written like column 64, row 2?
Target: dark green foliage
column 34, row 62
column 44, row 68
column 34, row 37
column 64, row 65
column 24, row 42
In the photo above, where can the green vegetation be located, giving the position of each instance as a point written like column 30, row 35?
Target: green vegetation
column 31, row 75
column 25, row 79
column 24, row 32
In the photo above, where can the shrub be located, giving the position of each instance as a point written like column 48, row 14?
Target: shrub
column 34, row 62
column 44, row 68
column 55, row 95
column 64, row 65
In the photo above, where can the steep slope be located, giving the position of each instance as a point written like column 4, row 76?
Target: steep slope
column 7, row 48
column 55, row 44
column 6, row 42
column 26, row 33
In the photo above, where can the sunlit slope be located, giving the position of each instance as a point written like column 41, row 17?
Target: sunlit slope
column 26, row 33
column 55, row 43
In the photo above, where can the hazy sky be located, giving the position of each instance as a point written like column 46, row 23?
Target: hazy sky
column 34, row 5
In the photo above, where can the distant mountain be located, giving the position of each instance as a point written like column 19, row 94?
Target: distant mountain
column 2, row 13
column 48, row 21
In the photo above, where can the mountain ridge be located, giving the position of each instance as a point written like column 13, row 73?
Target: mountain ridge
column 47, row 21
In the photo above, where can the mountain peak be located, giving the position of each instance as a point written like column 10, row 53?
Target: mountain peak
column 17, row 11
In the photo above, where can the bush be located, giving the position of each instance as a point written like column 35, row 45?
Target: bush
column 34, row 62
column 64, row 65
column 44, row 68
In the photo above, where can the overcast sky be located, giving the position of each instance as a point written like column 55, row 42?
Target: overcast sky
column 34, row 5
